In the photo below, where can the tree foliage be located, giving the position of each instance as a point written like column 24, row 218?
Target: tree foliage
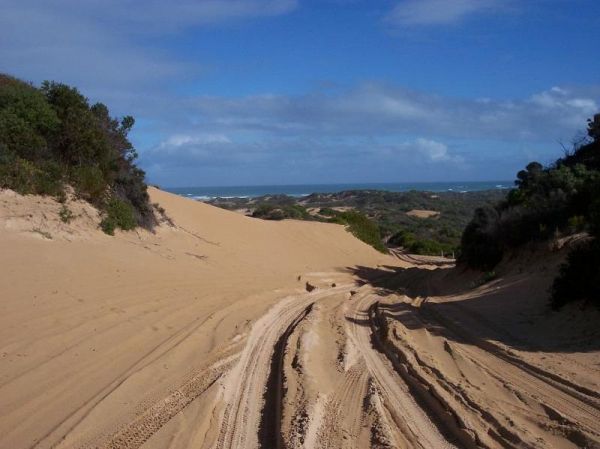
column 51, row 136
column 560, row 199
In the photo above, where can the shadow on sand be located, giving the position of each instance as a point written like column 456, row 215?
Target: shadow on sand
column 512, row 309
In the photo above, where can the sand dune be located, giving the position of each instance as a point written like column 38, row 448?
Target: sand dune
column 422, row 213
column 204, row 335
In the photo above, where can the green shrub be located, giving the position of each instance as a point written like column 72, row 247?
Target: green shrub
column 281, row 212
column 579, row 276
column 52, row 135
column 27, row 121
column 560, row 199
column 65, row 214
column 577, row 223
column 89, row 182
column 119, row 214
column 108, row 225
column 327, row 212
column 363, row 228
column 480, row 247
column 402, row 238
column 49, row 179
column 26, row 177
column 489, row 276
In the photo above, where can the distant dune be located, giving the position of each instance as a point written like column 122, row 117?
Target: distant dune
column 422, row 213
column 204, row 334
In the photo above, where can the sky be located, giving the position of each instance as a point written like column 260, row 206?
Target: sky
column 251, row 92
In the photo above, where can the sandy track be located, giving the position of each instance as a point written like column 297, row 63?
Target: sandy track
column 578, row 412
column 501, row 400
column 328, row 369
column 409, row 417
column 245, row 386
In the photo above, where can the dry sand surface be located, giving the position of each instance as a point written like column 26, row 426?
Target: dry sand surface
column 419, row 213
column 205, row 335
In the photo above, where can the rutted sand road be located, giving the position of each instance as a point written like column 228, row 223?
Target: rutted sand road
column 375, row 392
column 246, row 385
column 334, row 368
column 413, row 424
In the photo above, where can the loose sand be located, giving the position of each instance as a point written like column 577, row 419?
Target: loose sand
column 419, row 213
column 204, row 335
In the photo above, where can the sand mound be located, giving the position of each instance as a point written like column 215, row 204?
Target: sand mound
column 418, row 213
column 95, row 329
column 204, row 334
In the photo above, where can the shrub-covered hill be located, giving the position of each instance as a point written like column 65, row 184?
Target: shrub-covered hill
column 51, row 137
column 390, row 214
column 548, row 202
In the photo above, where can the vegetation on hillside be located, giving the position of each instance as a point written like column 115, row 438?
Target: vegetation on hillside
column 51, row 137
column 281, row 212
column 435, row 235
column 359, row 225
column 548, row 202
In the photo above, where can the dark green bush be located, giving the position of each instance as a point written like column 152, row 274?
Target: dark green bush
column 579, row 276
column 26, row 119
column 363, row 228
column 26, row 177
column 119, row 214
column 89, row 182
column 327, row 212
column 51, row 135
column 65, row 214
column 480, row 247
column 563, row 198
column 108, row 226
column 281, row 212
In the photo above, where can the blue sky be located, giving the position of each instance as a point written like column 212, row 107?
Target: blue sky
column 234, row 92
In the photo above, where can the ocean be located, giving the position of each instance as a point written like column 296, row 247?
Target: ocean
column 299, row 190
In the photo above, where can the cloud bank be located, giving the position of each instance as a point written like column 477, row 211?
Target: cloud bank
column 388, row 130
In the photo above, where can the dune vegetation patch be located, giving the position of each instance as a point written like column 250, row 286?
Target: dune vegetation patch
column 550, row 202
column 51, row 137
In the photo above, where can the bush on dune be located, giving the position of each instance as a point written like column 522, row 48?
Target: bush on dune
column 579, row 276
column 119, row 214
column 52, row 136
column 361, row 227
column 416, row 245
column 281, row 212
column 561, row 199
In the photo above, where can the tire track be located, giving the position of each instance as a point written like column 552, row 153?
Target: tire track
column 562, row 406
column 270, row 425
column 410, row 418
column 343, row 415
column 244, row 387
column 140, row 430
column 572, row 403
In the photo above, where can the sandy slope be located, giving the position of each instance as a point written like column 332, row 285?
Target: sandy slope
column 204, row 335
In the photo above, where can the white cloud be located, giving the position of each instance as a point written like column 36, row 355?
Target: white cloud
column 286, row 159
column 380, row 109
column 435, row 151
column 436, row 12
column 180, row 140
column 112, row 49
column 375, row 128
